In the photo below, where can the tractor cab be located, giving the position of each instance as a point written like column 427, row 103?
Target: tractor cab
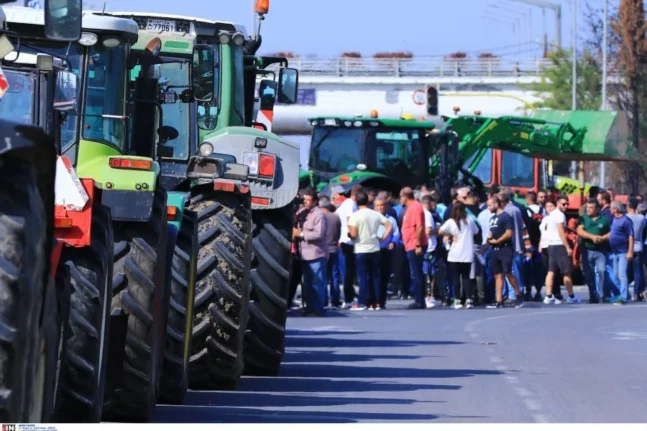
column 385, row 152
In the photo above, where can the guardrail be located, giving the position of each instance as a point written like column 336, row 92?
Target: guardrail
column 418, row 67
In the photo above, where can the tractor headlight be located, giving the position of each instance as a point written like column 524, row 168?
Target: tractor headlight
column 238, row 38
column 206, row 149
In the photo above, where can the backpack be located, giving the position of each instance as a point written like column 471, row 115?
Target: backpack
column 532, row 226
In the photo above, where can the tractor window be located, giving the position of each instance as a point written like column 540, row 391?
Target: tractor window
column 176, row 114
column 335, row 150
column 208, row 111
column 517, row 170
column 18, row 103
column 483, row 170
column 395, row 151
column 239, row 84
column 104, row 118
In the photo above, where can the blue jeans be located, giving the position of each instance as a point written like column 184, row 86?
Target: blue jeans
column 517, row 271
column 314, row 284
column 639, row 275
column 334, row 279
column 620, row 274
column 417, row 279
column 611, row 283
column 597, row 263
column 368, row 276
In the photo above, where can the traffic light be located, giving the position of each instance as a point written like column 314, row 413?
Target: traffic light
column 432, row 100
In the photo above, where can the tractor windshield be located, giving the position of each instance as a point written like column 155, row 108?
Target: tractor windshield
column 18, row 103
column 105, row 117
column 177, row 115
column 483, row 170
column 334, row 150
column 396, row 152
column 517, row 170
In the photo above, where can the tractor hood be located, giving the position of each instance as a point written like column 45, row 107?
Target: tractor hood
column 365, row 178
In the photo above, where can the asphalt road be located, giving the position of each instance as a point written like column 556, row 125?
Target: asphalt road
column 565, row 363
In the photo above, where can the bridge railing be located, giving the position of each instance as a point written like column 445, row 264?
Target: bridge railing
column 419, row 67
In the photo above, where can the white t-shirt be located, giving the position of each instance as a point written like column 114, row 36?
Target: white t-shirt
column 344, row 211
column 543, row 239
column 550, row 231
column 429, row 222
column 367, row 223
column 462, row 249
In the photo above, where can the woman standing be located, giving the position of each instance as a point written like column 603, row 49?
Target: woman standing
column 459, row 231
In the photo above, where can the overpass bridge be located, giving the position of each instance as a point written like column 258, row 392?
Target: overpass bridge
column 353, row 86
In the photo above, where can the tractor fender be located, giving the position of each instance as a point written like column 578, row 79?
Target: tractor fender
column 366, row 179
column 177, row 200
column 230, row 145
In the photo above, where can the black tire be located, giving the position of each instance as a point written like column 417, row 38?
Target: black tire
column 222, row 289
column 23, row 262
column 175, row 377
column 140, row 286
column 83, row 366
column 271, row 270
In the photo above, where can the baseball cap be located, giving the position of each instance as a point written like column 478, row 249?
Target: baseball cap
column 336, row 189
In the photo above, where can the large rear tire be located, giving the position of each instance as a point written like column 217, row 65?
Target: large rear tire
column 83, row 366
column 175, row 377
column 222, row 289
column 141, row 289
column 271, row 266
column 23, row 262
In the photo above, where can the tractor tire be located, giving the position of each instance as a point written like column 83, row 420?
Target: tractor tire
column 175, row 377
column 23, row 262
column 141, row 288
column 222, row 289
column 83, row 365
column 271, row 266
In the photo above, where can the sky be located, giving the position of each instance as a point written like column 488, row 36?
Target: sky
column 327, row 28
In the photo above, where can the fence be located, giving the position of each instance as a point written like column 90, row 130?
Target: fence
column 419, row 67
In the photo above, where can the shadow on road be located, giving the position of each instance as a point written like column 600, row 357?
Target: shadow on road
column 325, row 382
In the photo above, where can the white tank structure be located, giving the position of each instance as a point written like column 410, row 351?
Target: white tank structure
column 392, row 102
column 394, row 87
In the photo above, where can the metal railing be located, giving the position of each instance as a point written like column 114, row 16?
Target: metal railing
column 419, row 67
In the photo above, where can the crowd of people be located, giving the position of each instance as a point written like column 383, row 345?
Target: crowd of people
column 465, row 254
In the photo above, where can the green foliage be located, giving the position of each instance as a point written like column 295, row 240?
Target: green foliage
column 555, row 89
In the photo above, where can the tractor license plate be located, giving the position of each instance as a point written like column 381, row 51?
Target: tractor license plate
column 160, row 25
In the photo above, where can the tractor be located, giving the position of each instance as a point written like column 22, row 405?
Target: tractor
column 35, row 294
column 111, row 215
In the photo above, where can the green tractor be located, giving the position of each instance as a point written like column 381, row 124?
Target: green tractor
column 114, row 364
column 33, row 303
column 385, row 154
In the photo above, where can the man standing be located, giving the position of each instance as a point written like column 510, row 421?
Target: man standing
column 541, row 202
column 313, row 251
column 636, row 263
column 621, row 242
column 363, row 227
column 534, row 266
column 415, row 242
column 484, row 277
column 593, row 229
column 559, row 253
column 429, row 264
column 332, row 238
column 347, row 256
column 506, row 197
column 386, row 247
column 500, row 239
column 604, row 199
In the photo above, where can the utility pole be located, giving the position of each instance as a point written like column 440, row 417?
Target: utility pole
column 557, row 8
column 605, row 47
column 574, row 76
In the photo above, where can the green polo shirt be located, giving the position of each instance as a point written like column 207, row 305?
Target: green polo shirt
column 598, row 226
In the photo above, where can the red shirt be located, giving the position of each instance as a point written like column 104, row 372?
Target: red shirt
column 414, row 218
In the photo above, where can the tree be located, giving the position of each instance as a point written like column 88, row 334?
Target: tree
column 556, row 85
column 555, row 90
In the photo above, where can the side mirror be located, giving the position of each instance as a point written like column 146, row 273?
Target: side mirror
column 288, row 86
column 202, row 73
column 63, row 20
column 66, row 91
